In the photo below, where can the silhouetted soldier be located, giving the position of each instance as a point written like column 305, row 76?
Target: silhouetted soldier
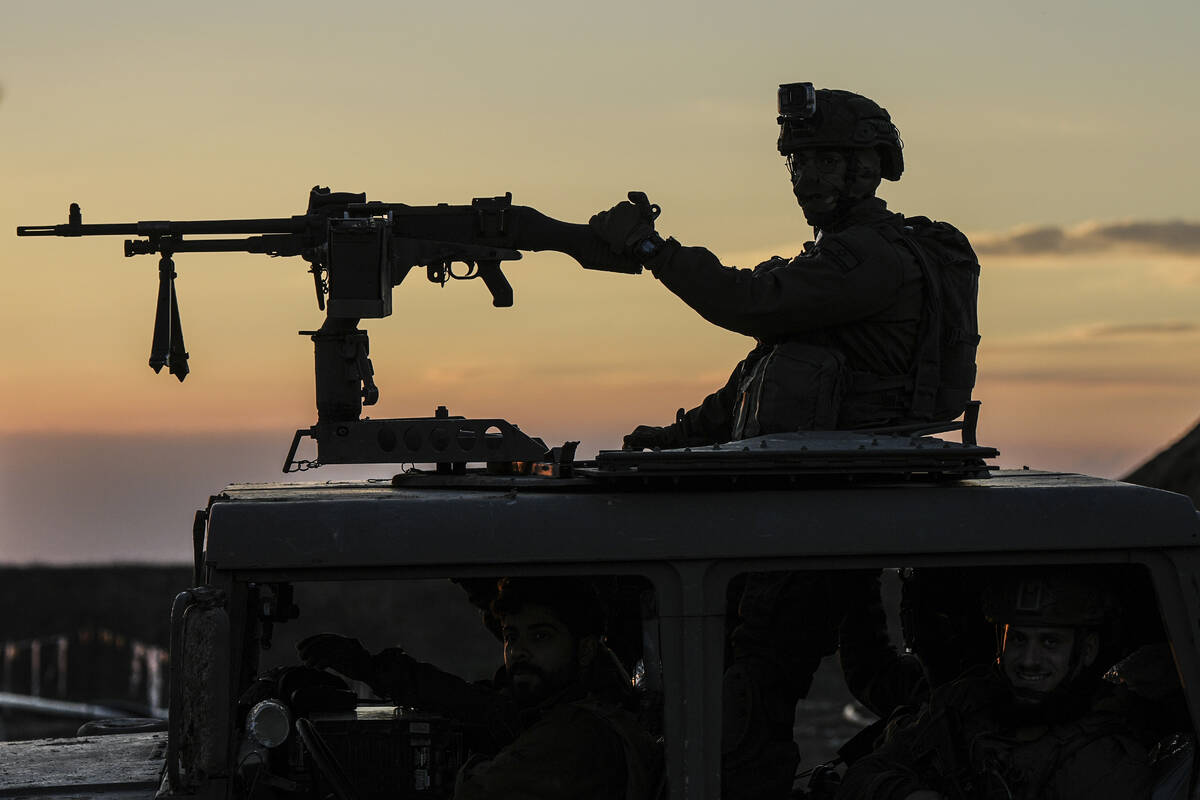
column 872, row 325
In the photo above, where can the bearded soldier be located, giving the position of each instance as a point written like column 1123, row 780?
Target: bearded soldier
column 555, row 724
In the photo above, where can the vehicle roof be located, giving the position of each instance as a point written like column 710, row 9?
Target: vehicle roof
column 497, row 520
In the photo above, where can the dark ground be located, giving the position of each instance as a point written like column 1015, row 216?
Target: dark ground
column 133, row 600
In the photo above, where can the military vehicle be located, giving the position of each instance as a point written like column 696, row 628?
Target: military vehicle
column 667, row 532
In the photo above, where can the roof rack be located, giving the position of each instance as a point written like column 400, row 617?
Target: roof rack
column 862, row 454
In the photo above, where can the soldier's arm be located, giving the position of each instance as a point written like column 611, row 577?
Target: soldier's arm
column 573, row 754
column 876, row 674
column 1108, row 768
column 711, row 421
column 406, row 681
column 851, row 278
column 890, row 773
column 876, row 778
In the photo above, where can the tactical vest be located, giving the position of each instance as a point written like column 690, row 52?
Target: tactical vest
column 807, row 385
column 962, row 750
column 790, row 386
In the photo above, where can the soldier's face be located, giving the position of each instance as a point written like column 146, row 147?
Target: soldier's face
column 541, row 655
column 818, row 179
column 1036, row 661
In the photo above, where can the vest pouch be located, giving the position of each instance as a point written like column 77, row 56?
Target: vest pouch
column 795, row 386
column 873, row 401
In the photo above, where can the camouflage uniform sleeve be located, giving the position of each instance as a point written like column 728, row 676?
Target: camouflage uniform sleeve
column 712, row 420
column 406, row 681
column 852, row 275
column 1111, row 768
column 879, row 677
column 879, row 776
column 570, row 753
column 894, row 770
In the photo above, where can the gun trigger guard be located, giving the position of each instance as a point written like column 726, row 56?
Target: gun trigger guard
column 472, row 271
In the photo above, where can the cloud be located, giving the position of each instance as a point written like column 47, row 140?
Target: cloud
column 1169, row 237
column 1142, row 329
column 1139, row 356
column 1101, row 335
column 1163, row 380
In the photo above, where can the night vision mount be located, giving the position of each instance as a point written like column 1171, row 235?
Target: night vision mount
column 357, row 252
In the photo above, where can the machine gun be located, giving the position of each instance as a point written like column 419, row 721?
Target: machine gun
column 357, row 252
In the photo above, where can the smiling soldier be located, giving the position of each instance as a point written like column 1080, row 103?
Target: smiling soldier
column 1041, row 723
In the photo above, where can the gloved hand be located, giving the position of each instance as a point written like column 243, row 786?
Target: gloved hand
column 626, row 223
column 341, row 653
column 644, row 436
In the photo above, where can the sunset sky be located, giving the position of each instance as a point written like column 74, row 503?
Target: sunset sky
column 1060, row 137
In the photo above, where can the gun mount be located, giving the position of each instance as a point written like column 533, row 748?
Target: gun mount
column 358, row 251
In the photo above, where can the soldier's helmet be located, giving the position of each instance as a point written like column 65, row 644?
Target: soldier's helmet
column 1049, row 599
column 811, row 117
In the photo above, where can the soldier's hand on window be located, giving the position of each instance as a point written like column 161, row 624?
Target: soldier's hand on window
column 340, row 653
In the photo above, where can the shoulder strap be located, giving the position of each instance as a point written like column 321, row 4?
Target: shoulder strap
column 927, row 362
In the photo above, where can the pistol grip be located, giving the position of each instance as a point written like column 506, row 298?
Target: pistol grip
column 493, row 277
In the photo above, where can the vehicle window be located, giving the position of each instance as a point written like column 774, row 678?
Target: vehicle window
column 835, row 676
column 405, row 688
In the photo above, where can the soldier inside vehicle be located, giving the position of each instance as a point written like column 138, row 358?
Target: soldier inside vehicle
column 982, row 682
column 562, row 716
column 1005, row 682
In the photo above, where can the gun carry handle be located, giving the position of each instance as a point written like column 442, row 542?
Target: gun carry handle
column 540, row 232
column 493, row 277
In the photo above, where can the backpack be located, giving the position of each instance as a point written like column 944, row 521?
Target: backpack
column 944, row 367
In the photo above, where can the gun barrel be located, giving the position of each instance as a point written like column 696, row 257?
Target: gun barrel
column 115, row 229
column 168, row 228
